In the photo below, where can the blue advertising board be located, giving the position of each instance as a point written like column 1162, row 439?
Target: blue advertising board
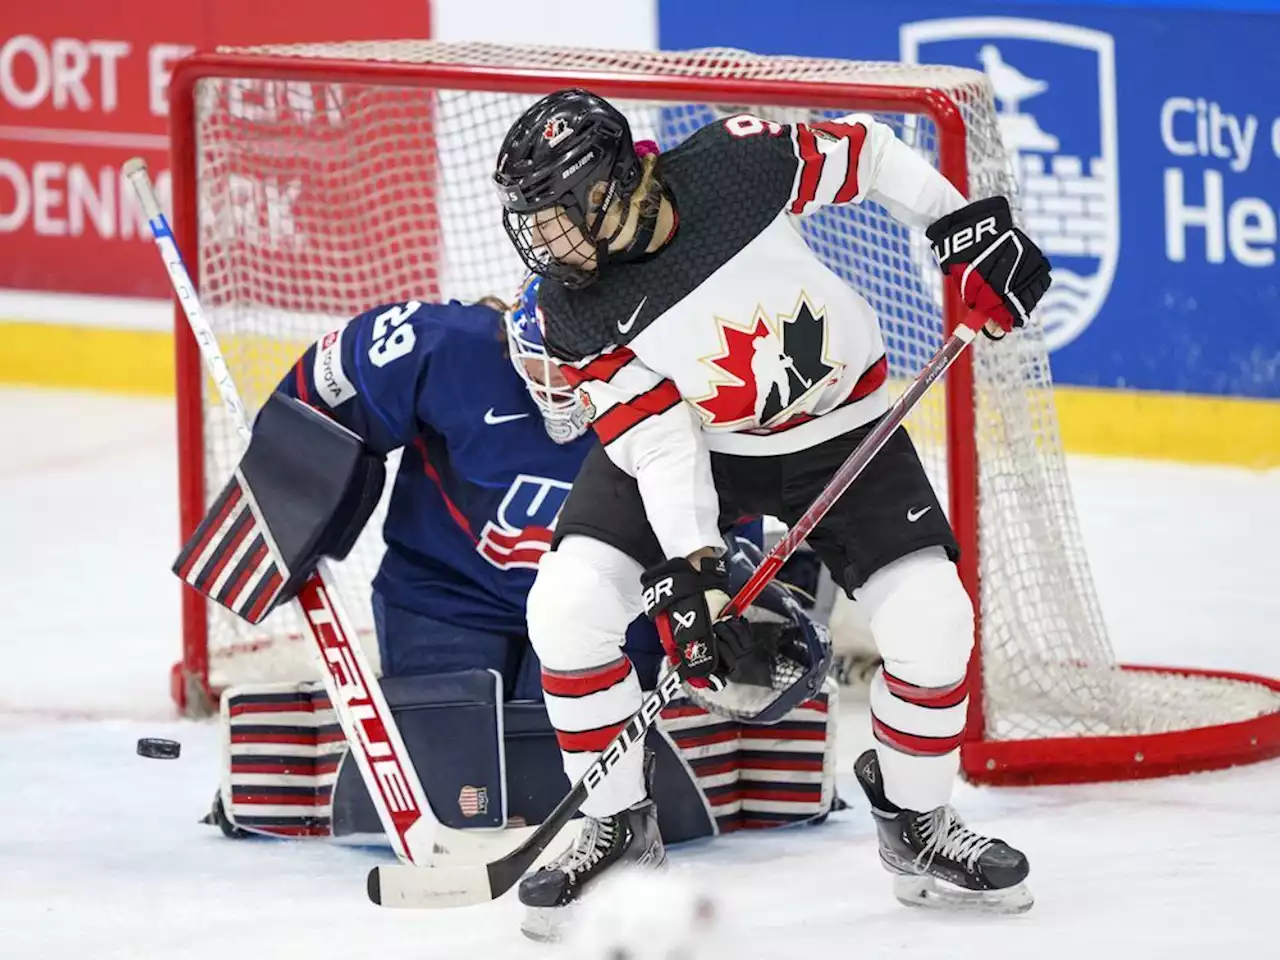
column 1146, row 141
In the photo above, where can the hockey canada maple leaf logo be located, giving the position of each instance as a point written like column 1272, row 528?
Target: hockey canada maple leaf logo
column 767, row 374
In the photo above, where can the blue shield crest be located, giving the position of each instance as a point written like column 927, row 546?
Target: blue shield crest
column 1055, row 94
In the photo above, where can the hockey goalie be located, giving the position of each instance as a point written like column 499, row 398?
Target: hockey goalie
column 492, row 438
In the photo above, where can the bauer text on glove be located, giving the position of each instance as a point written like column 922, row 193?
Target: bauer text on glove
column 998, row 269
column 684, row 604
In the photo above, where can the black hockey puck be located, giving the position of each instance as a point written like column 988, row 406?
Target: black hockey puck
column 158, row 749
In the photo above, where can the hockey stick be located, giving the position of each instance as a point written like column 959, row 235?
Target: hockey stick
column 362, row 711
column 398, row 886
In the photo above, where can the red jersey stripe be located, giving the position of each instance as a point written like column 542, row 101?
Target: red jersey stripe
column 300, row 377
column 429, row 469
column 621, row 418
column 854, row 135
column 811, row 161
column 601, row 368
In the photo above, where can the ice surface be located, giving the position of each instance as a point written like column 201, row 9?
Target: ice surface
column 101, row 855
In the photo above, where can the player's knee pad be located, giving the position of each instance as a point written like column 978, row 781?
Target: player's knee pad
column 583, row 598
column 921, row 618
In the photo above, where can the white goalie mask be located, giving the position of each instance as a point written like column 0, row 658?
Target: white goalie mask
column 566, row 411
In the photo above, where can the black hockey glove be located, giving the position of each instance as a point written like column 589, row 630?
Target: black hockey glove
column 997, row 268
column 685, row 605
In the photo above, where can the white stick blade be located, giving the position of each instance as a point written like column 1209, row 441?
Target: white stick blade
column 429, row 888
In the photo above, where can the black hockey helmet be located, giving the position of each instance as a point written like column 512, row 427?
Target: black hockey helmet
column 549, row 163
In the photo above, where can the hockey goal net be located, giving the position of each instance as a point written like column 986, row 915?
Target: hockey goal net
column 314, row 181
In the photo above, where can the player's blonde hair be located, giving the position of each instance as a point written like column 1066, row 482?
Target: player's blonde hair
column 644, row 199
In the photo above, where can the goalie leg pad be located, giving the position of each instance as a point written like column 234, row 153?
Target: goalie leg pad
column 305, row 484
column 281, row 749
column 452, row 725
column 287, row 771
column 922, row 620
column 753, row 776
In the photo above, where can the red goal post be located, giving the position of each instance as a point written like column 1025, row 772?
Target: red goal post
column 289, row 163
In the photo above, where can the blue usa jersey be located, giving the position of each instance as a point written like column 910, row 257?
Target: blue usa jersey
column 480, row 483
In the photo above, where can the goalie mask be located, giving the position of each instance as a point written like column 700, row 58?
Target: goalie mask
column 796, row 665
column 562, row 166
column 566, row 412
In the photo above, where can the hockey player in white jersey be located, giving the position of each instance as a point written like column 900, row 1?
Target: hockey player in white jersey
column 731, row 372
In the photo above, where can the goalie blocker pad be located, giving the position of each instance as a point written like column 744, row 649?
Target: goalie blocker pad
column 305, row 483
column 486, row 764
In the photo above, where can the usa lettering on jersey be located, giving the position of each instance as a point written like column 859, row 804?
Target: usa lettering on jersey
column 522, row 530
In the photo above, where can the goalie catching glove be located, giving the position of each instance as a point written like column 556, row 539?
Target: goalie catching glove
column 685, row 605
column 998, row 269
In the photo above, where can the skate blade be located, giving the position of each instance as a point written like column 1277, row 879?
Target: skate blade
column 928, row 892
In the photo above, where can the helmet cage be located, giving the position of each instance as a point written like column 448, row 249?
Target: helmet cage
column 566, row 413
column 550, row 165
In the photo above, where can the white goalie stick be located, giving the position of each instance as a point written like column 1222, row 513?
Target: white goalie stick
column 371, row 732
column 450, row 886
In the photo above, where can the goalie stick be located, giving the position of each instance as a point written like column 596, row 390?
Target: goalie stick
column 362, row 711
column 434, row 887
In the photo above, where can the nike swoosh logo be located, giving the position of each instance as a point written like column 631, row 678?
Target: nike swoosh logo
column 631, row 321
column 914, row 515
column 494, row 419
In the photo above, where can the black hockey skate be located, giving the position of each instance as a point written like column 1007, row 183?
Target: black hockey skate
column 937, row 860
column 630, row 837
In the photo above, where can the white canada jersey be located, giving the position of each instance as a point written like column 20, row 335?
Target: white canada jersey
column 735, row 337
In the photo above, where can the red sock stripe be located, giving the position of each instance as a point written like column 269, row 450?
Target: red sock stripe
column 588, row 682
column 589, row 741
column 912, row 744
column 935, row 698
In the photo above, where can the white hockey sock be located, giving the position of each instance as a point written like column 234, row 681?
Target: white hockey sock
column 922, row 621
column 919, row 730
column 588, row 708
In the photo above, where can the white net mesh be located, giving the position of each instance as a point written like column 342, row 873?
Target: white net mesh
column 320, row 198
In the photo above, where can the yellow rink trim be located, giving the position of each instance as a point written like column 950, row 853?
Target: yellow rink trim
column 1170, row 426
column 138, row 362
column 1120, row 423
